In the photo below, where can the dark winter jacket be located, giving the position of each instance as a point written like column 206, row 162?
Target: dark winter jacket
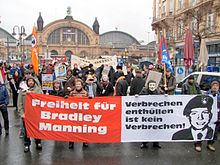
column 121, row 88
column 146, row 91
column 4, row 98
column 186, row 88
column 129, row 77
column 107, row 89
column 137, row 85
column 70, row 82
column 171, row 85
column 57, row 92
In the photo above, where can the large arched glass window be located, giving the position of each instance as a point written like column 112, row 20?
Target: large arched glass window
column 68, row 35
column 54, row 37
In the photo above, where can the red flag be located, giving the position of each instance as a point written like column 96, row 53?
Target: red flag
column 188, row 49
column 34, row 51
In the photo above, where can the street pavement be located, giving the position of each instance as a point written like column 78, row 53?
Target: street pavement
column 58, row 153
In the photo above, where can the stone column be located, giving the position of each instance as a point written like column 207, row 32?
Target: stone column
column 154, row 9
column 167, row 7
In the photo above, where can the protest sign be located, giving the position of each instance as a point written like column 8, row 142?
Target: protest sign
column 121, row 119
column 47, row 81
column 60, row 71
column 153, row 75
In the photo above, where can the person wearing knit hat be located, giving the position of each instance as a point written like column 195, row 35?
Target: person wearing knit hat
column 216, row 93
column 199, row 112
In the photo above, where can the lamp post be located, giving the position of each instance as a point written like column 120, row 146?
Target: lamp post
column 21, row 33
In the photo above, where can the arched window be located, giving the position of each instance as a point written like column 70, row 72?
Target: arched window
column 54, row 52
column 54, row 37
column 68, row 54
column 68, row 35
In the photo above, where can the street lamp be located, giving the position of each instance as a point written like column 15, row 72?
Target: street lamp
column 125, row 55
column 21, row 33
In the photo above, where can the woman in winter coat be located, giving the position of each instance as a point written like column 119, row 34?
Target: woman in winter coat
column 57, row 90
column 14, row 84
column 78, row 92
column 107, row 87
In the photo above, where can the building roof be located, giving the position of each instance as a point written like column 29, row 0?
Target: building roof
column 4, row 35
column 117, row 39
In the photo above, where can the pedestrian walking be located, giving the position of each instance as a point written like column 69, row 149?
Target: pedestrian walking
column 4, row 100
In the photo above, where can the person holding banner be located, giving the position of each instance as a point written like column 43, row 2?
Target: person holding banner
column 215, row 92
column 168, row 83
column 92, row 86
column 57, row 89
column 150, row 89
column 191, row 87
column 32, row 87
column 78, row 92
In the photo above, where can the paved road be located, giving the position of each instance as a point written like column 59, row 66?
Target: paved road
column 57, row 153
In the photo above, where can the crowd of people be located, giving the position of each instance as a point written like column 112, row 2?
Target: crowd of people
column 17, row 80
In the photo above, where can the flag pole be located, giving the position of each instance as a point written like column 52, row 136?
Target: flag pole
column 165, row 77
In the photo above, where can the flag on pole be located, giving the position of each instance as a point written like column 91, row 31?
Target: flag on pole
column 203, row 54
column 163, row 54
column 34, row 51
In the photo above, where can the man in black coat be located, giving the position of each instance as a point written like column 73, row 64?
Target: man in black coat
column 121, row 85
column 116, row 75
column 137, row 83
column 150, row 89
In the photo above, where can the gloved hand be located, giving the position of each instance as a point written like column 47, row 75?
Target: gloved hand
column 66, row 97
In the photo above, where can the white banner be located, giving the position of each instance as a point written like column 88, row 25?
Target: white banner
column 110, row 61
column 168, row 118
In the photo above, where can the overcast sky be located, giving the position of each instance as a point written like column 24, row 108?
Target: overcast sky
column 131, row 16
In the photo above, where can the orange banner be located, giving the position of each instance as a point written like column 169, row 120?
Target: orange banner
column 34, row 51
column 96, row 120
